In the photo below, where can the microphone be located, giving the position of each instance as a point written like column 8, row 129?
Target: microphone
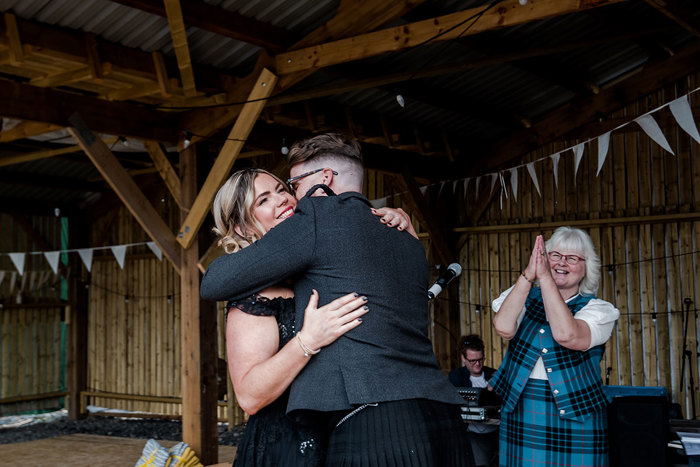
column 452, row 271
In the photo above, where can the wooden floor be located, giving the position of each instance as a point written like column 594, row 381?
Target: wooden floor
column 81, row 450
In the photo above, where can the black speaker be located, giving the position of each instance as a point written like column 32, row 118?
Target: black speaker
column 638, row 431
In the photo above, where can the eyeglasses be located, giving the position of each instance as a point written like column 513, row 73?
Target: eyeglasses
column 571, row 259
column 475, row 361
column 293, row 180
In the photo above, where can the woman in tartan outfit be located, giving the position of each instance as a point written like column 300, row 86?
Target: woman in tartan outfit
column 553, row 410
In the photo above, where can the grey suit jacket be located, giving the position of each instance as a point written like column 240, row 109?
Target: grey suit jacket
column 336, row 245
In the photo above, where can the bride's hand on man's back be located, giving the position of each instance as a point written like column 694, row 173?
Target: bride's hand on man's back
column 325, row 324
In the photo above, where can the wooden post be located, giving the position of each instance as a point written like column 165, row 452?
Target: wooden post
column 199, row 356
column 77, row 323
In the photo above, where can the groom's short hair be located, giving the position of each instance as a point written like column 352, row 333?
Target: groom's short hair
column 330, row 145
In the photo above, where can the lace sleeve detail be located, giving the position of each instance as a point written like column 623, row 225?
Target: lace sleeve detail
column 255, row 305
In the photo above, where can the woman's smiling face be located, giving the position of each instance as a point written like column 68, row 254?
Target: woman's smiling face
column 567, row 276
column 272, row 203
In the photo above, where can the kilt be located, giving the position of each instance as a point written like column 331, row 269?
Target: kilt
column 534, row 434
column 410, row 433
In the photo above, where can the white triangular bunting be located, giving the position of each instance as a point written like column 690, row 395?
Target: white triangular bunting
column 159, row 254
column 18, row 261
column 504, row 189
column 52, row 257
column 423, row 189
column 86, row 256
column 514, row 182
column 578, row 155
column 533, row 176
column 603, row 144
column 476, row 188
column 680, row 108
column 555, row 163
column 442, row 186
column 466, row 185
column 119, row 253
column 454, row 187
column 652, row 129
column 2, row 276
column 494, row 177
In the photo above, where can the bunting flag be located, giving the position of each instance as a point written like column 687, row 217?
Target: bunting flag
column 119, row 253
column 86, row 256
column 13, row 279
column 466, row 185
column 603, row 145
column 494, row 177
column 533, row 176
column 578, row 155
column 159, row 254
column 18, row 261
column 680, row 108
column 2, row 276
column 423, row 189
column 555, row 162
column 514, row 182
column 52, row 257
column 476, row 189
column 652, row 129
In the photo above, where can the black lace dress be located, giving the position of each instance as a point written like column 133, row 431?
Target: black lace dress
column 270, row 437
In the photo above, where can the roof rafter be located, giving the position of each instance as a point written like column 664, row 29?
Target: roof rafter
column 221, row 21
column 676, row 13
column 447, row 27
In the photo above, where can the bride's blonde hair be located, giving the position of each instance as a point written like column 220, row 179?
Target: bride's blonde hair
column 236, row 226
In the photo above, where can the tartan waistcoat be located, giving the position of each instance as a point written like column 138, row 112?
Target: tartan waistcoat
column 573, row 375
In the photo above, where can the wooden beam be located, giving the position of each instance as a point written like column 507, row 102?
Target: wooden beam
column 126, row 188
column 161, row 74
column 19, row 101
column 92, row 53
column 33, row 156
column 581, row 111
column 448, row 27
column 13, row 40
column 57, row 43
column 514, row 53
column 165, row 169
column 227, row 156
column 69, row 77
column 26, row 129
column 199, row 392
column 673, row 10
column 352, row 18
column 221, row 21
column 182, row 50
column 420, row 208
column 77, row 323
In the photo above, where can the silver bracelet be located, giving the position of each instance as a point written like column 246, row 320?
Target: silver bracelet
column 307, row 351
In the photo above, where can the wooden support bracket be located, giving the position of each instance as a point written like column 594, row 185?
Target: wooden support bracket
column 127, row 190
column 227, row 156
column 165, row 169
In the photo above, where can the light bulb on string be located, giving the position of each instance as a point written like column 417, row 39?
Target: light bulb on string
column 284, row 149
column 400, row 100
column 57, row 212
column 522, row 2
column 188, row 139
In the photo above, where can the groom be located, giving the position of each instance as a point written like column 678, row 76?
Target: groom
column 378, row 387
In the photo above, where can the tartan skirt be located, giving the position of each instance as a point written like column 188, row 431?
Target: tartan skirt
column 534, row 434
column 404, row 433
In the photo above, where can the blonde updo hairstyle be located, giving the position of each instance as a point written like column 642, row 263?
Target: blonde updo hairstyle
column 236, row 226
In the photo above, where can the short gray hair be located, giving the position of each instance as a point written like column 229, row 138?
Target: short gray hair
column 573, row 239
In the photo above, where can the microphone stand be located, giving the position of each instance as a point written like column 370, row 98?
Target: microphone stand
column 687, row 355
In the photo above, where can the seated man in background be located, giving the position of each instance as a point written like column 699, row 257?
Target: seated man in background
column 484, row 437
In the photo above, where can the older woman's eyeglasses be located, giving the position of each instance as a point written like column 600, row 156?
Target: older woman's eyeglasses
column 571, row 259
column 291, row 182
